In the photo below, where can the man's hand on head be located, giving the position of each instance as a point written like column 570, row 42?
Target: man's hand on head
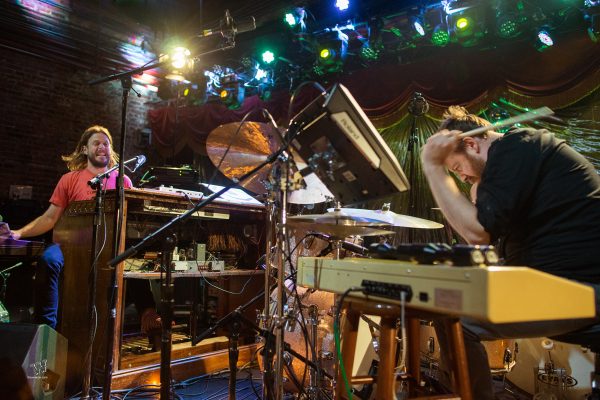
column 439, row 146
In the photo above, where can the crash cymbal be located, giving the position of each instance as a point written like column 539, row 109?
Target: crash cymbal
column 340, row 217
column 390, row 217
column 338, row 231
column 251, row 146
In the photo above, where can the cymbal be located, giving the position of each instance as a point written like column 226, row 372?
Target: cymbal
column 339, row 231
column 340, row 217
column 254, row 142
column 391, row 218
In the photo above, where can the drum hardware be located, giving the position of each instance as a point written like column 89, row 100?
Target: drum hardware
column 5, row 274
column 313, row 376
column 337, row 245
column 372, row 328
column 551, row 382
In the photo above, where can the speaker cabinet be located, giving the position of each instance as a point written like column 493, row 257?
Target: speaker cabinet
column 41, row 352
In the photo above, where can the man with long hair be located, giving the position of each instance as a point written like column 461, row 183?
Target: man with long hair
column 536, row 197
column 93, row 155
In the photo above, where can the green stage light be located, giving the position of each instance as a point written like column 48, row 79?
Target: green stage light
column 369, row 53
column 268, row 57
column 440, row 36
column 507, row 28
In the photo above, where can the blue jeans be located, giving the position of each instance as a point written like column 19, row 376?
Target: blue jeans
column 47, row 278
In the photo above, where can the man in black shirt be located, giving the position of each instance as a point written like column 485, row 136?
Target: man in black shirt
column 536, row 196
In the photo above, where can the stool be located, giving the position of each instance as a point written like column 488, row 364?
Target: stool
column 386, row 378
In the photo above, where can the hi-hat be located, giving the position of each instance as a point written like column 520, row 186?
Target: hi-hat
column 338, row 223
column 251, row 146
column 389, row 217
column 339, row 231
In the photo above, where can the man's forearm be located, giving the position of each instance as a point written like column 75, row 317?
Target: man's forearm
column 38, row 226
column 457, row 209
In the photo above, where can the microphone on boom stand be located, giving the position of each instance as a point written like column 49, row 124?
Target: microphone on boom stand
column 95, row 181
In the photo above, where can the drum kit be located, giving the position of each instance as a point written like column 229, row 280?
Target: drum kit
column 235, row 149
column 306, row 352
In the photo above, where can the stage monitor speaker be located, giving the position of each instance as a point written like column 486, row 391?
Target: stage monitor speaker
column 41, row 352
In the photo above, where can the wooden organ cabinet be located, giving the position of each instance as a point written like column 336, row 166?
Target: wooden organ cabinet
column 235, row 231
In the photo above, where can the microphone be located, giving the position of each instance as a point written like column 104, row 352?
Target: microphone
column 354, row 248
column 95, row 181
column 141, row 159
column 230, row 27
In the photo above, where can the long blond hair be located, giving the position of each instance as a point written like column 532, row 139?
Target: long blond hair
column 77, row 160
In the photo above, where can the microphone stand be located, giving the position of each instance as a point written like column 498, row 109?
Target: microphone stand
column 417, row 107
column 166, row 314
column 98, row 211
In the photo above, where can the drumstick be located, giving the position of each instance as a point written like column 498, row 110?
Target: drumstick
column 528, row 116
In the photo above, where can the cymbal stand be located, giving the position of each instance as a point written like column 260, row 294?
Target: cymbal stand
column 265, row 317
column 313, row 375
column 281, row 241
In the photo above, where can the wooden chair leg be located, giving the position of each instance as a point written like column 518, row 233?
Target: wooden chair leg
column 460, row 369
column 386, row 377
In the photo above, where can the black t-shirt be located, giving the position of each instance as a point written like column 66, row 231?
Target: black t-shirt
column 541, row 200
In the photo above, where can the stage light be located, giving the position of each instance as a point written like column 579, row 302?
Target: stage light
column 326, row 53
column 342, row 5
column 290, row 19
column 462, row 23
column 419, row 28
column 260, row 74
column 295, row 19
column 508, row 25
column 232, row 91
column 468, row 25
column 332, row 51
column 268, row 57
column 591, row 3
column 370, row 53
column 180, row 57
column 543, row 39
column 440, row 36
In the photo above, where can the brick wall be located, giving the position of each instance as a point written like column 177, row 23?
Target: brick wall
column 46, row 106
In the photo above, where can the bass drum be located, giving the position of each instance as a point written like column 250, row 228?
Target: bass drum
column 501, row 353
column 325, row 346
column 572, row 365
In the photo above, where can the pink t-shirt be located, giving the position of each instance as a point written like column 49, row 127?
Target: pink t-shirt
column 73, row 186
